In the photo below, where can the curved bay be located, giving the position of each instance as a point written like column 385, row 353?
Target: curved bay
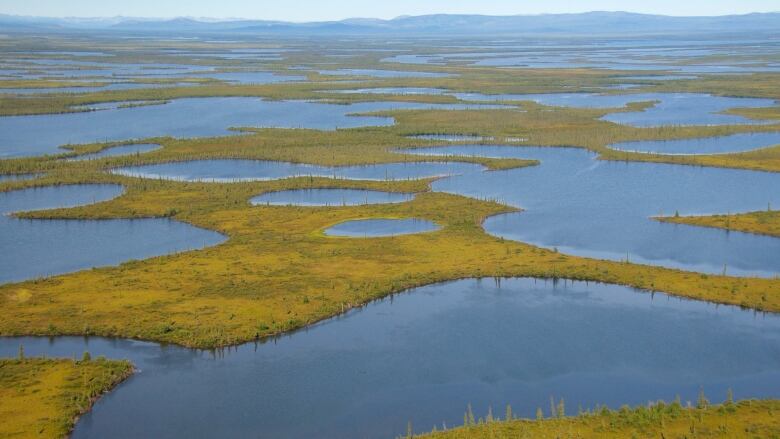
column 424, row 356
column 37, row 248
column 587, row 207
column 703, row 145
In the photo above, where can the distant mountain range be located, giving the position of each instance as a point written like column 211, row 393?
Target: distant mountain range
column 593, row 23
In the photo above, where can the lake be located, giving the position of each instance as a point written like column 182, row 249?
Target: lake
column 703, row 145
column 40, row 248
column 43, row 134
column 602, row 209
column 423, row 356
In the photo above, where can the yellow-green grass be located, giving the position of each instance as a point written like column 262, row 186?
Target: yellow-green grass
column 44, row 84
column 277, row 271
column 318, row 89
column 43, row 397
column 743, row 419
column 464, row 79
column 765, row 159
column 542, row 125
column 581, row 128
column 329, row 148
column 761, row 85
column 485, row 80
column 762, row 223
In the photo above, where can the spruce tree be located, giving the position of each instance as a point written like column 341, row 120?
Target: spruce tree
column 701, row 401
column 561, row 409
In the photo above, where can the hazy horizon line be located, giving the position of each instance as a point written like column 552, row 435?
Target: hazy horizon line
column 219, row 19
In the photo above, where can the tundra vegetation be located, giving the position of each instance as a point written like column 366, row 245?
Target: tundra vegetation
column 762, row 223
column 747, row 418
column 278, row 272
column 43, row 397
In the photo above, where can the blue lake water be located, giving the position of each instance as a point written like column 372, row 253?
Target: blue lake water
column 704, row 145
column 91, row 89
column 384, row 73
column 668, row 102
column 38, row 248
column 669, row 108
column 660, row 59
column 115, row 105
column 490, row 151
column 43, row 134
column 250, row 77
column 329, row 197
column 569, row 192
column 371, row 228
column 602, row 209
column 16, row 177
column 392, row 91
column 255, row 170
column 255, row 54
column 414, row 59
column 232, row 55
column 630, row 65
column 423, row 356
column 658, row 77
column 68, row 53
column 690, row 109
column 451, row 137
column 625, row 86
column 115, row 151
column 68, row 68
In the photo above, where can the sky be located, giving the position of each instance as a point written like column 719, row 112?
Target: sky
column 318, row 10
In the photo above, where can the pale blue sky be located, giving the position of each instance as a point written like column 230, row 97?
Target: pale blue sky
column 312, row 10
